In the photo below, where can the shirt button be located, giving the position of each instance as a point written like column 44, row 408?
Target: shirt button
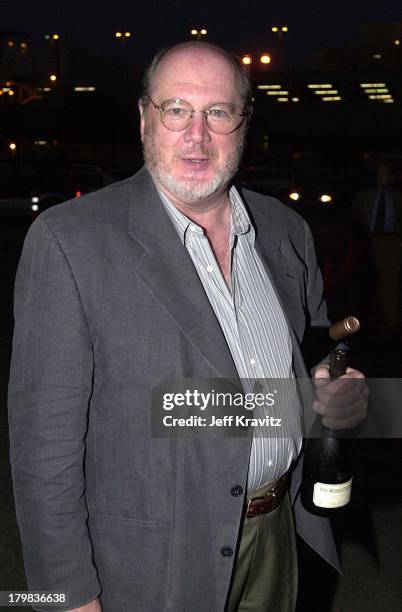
column 226, row 551
column 210, row 269
column 253, row 361
column 236, row 490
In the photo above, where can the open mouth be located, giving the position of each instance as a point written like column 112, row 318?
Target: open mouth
column 196, row 163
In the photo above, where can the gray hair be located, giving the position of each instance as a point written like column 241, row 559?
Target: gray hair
column 246, row 85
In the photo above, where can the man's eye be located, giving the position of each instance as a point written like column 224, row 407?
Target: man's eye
column 175, row 112
column 218, row 113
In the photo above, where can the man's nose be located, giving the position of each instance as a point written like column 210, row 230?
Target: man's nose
column 197, row 131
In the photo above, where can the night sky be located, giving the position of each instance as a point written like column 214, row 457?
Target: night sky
column 236, row 24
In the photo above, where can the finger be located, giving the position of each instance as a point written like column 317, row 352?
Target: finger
column 343, row 387
column 322, row 371
column 341, row 411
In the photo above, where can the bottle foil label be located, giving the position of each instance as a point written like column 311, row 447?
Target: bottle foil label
column 332, row 495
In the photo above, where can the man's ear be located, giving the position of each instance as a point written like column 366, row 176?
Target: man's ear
column 141, row 107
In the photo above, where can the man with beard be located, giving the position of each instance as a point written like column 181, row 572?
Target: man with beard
column 172, row 274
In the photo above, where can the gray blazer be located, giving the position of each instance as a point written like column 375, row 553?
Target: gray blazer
column 108, row 304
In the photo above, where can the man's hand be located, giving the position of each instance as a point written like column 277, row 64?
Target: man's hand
column 342, row 402
column 93, row 606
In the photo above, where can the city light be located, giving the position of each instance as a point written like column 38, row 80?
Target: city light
column 372, row 85
column 377, row 56
column 12, row 146
column 331, row 98
column 118, row 34
column 295, row 99
column 377, row 90
column 11, row 92
column 84, row 88
column 34, row 207
column 247, row 60
column 269, row 86
column 127, row 34
column 325, row 198
column 324, row 92
column 40, row 143
column 320, row 86
column 265, row 58
column 397, row 42
column 279, row 29
column 23, row 45
column 10, row 43
column 56, row 36
column 283, row 99
column 35, row 200
column 294, row 195
column 277, row 92
column 53, row 77
column 199, row 33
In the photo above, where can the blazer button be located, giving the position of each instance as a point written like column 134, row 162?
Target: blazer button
column 236, row 491
column 226, row 551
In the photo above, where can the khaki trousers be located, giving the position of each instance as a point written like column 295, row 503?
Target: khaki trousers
column 265, row 574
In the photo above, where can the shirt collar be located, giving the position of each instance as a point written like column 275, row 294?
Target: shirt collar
column 239, row 222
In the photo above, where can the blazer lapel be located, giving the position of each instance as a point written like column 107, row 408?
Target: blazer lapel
column 281, row 264
column 167, row 270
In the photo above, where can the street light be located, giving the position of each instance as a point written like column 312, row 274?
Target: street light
column 280, row 30
column 127, row 34
column 199, row 33
column 56, row 36
column 53, row 77
column 265, row 59
column 12, row 146
column 247, row 60
column 118, row 34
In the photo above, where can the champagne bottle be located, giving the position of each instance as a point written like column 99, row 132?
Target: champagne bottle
column 327, row 478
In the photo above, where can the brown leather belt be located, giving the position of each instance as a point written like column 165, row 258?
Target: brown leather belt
column 269, row 501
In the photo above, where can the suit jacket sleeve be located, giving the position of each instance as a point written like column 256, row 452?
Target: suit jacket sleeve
column 49, row 393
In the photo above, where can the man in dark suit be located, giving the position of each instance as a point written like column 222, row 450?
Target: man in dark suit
column 377, row 221
column 172, row 274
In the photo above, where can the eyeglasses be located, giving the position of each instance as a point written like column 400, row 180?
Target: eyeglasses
column 221, row 118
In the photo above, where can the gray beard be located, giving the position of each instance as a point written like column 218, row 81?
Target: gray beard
column 190, row 189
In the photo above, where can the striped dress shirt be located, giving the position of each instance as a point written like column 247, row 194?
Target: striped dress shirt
column 255, row 330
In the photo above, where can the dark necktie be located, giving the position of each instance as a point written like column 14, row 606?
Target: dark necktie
column 379, row 226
